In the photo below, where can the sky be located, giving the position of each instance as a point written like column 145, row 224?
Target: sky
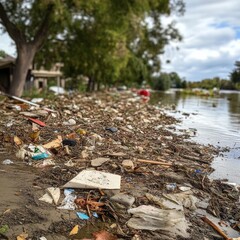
column 211, row 40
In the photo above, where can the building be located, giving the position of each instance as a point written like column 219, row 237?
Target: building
column 36, row 79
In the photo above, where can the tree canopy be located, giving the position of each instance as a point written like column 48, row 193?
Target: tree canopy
column 94, row 38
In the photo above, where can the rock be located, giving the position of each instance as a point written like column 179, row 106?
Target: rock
column 124, row 199
column 128, row 165
column 70, row 122
column 97, row 162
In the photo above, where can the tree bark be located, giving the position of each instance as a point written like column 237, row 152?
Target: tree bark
column 24, row 60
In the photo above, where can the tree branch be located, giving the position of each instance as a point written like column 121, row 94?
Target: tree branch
column 11, row 28
column 43, row 30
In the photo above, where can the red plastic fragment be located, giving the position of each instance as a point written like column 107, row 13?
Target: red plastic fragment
column 40, row 123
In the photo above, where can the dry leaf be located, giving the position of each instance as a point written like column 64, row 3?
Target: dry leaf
column 22, row 236
column 104, row 235
column 17, row 140
column 74, row 231
column 35, row 135
column 54, row 144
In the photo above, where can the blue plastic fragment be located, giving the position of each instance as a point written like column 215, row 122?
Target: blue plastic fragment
column 82, row 216
column 95, row 215
column 40, row 156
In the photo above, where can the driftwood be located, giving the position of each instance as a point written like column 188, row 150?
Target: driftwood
column 195, row 159
column 155, row 162
column 215, row 227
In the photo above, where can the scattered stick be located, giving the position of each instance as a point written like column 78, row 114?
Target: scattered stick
column 25, row 101
column 215, row 227
column 154, row 162
column 195, row 159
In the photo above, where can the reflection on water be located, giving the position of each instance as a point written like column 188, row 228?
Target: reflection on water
column 217, row 120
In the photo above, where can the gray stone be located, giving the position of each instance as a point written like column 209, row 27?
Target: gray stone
column 97, row 162
column 124, row 199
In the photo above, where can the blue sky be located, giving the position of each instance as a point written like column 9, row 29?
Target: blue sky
column 211, row 44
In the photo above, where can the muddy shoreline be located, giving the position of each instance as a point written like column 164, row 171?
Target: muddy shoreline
column 116, row 126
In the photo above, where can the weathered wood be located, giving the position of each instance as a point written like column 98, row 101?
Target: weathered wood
column 154, row 162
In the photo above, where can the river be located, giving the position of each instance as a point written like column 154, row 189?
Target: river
column 217, row 121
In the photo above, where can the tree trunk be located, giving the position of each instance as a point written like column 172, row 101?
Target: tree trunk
column 24, row 60
column 89, row 84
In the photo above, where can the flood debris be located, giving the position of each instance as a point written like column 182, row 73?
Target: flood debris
column 92, row 179
column 110, row 166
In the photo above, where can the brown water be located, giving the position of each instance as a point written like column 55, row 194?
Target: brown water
column 217, row 121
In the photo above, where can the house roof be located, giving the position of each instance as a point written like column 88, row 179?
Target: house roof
column 6, row 61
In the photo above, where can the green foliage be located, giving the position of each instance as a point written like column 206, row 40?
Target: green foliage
column 112, row 42
column 235, row 76
column 135, row 72
column 109, row 41
column 211, row 83
column 163, row 82
column 34, row 93
column 2, row 54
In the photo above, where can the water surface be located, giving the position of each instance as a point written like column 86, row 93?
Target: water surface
column 217, row 121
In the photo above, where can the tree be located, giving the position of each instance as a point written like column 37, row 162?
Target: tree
column 29, row 23
column 162, row 82
column 111, row 41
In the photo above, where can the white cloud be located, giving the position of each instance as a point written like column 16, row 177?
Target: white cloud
column 211, row 45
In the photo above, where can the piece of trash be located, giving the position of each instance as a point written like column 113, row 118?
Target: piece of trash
column 82, row 216
column 146, row 217
column 42, row 238
column 54, row 144
column 21, row 153
column 70, row 122
column 37, row 100
column 40, row 156
column 7, row 162
column 57, row 90
column 29, row 114
column 184, row 189
column 124, row 199
column 69, row 142
column 81, row 131
column 52, row 195
column 70, row 163
column 128, row 165
column 22, row 236
column 17, row 140
column 144, row 92
column 215, row 227
column 91, row 204
column 111, row 129
column 45, row 163
column 92, row 179
column 97, row 162
column 171, row 186
column 35, row 135
column 40, row 123
column 74, row 231
column 68, row 201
